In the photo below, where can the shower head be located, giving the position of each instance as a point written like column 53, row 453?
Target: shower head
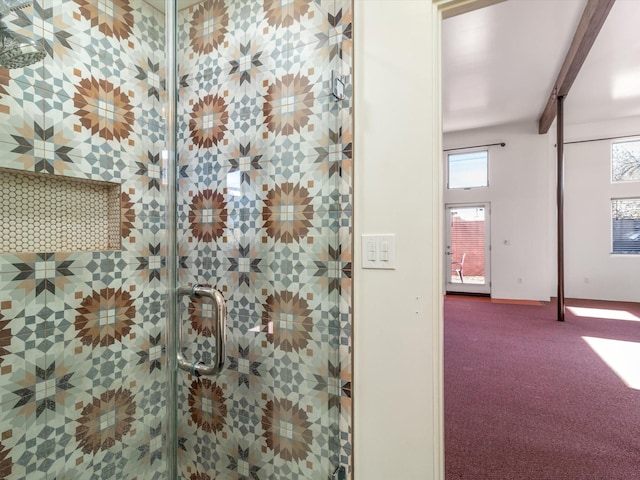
column 7, row 6
column 18, row 51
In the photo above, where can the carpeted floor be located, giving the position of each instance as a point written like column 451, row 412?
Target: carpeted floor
column 527, row 398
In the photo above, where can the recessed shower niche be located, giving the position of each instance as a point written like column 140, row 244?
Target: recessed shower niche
column 52, row 213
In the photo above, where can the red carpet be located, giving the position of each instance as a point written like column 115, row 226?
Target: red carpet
column 527, row 398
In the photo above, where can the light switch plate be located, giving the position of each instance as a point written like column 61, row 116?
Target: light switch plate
column 383, row 247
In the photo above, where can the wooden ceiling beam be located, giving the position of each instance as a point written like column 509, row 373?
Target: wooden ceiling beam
column 465, row 6
column 593, row 17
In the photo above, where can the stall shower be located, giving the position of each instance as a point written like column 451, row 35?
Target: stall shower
column 165, row 166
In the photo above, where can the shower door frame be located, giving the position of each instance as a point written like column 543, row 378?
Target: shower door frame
column 172, row 232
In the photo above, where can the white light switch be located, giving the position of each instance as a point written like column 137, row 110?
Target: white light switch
column 379, row 251
column 371, row 251
column 384, row 251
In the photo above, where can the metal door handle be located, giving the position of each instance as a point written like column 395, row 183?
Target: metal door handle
column 199, row 368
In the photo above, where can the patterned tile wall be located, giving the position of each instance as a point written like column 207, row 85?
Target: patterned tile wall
column 43, row 213
column 265, row 210
column 82, row 382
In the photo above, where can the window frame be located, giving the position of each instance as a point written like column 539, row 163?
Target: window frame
column 611, row 144
column 613, row 252
column 466, row 152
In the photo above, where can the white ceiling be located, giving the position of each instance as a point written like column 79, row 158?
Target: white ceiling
column 500, row 63
column 608, row 85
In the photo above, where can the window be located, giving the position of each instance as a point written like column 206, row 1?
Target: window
column 468, row 170
column 625, row 161
column 625, row 223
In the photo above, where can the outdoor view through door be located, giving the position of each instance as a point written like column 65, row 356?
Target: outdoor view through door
column 467, row 249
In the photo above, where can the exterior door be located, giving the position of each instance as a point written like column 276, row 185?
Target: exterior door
column 467, row 249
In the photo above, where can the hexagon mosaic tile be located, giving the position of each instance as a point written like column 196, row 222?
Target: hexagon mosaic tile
column 44, row 213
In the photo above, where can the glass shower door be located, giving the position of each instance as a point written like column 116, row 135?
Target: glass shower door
column 260, row 213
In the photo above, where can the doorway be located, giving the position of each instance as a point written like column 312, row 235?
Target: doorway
column 467, row 249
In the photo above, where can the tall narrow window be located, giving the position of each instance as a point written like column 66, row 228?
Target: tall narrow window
column 468, row 170
column 625, row 223
column 625, row 161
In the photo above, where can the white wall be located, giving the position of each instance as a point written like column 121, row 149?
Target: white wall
column 552, row 213
column 591, row 271
column 519, row 195
column 397, row 337
column 522, row 192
